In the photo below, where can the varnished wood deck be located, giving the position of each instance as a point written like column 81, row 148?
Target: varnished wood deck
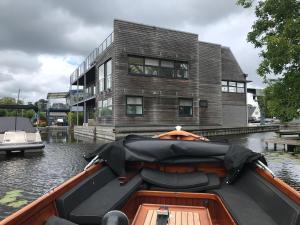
column 179, row 215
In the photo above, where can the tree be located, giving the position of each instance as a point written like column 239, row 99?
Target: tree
column 277, row 33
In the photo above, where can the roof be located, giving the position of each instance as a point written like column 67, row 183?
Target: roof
column 54, row 95
column 22, row 124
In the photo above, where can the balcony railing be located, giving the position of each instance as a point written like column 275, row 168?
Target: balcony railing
column 89, row 61
column 74, row 99
column 58, row 106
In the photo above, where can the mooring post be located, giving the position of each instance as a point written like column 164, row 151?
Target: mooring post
column 275, row 146
column 284, row 147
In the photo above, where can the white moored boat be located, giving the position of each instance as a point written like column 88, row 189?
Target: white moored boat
column 18, row 134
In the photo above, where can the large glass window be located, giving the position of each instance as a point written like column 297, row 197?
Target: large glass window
column 157, row 67
column 134, row 105
column 105, row 107
column 101, row 78
column 185, row 107
column 108, row 74
column 105, row 76
column 233, row 87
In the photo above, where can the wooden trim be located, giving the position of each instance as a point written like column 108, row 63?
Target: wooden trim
column 34, row 209
column 185, row 195
column 281, row 185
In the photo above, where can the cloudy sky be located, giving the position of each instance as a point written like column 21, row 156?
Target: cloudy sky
column 42, row 42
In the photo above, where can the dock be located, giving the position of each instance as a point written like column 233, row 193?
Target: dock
column 288, row 132
column 289, row 144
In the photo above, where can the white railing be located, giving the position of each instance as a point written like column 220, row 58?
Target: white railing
column 90, row 60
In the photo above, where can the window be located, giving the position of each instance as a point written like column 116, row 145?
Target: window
column 105, row 76
column 108, row 74
column 224, row 86
column 105, row 107
column 233, row 87
column 181, row 70
column 157, row 67
column 240, row 87
column 136, row 65
column 151, row 66
column 134, row 105
column 167, row 69
column 101, row 78
column 185, row 107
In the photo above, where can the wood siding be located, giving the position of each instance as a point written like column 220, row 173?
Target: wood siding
column 210, row 83
column 160, row 94
column 208, row 65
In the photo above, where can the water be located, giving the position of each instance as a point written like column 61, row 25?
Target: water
column 25, row 178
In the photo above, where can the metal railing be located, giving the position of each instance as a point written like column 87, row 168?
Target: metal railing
column 90, row 59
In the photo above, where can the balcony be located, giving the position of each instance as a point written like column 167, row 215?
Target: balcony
column 90, row 60
column 82, row 95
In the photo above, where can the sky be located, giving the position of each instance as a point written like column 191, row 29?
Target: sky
column 42, row 42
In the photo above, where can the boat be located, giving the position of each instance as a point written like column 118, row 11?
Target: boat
column 177, row 180
column 18, row 135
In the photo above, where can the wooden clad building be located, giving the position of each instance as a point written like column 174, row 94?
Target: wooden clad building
column 147, row 76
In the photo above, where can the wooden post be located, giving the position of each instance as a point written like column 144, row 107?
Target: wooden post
column 284, row 147
column 275, row 146
column 267, row 146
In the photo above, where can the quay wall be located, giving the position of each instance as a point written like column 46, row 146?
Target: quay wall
column 114, row 133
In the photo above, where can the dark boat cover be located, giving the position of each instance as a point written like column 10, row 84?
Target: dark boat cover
column 135, row 148
column 23, row 124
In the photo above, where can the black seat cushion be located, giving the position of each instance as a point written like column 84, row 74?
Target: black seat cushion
column 111, row 196
column 251, row 199
column 72, row 198
column 213, row 182
column 243, row 208
column 174, row 180
column 54, row 220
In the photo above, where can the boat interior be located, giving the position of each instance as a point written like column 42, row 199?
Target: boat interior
column 182, row 185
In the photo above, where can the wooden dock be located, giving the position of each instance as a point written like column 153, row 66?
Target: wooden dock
column 289, row 144
column 288, row 132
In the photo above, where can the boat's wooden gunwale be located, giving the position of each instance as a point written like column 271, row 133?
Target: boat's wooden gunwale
column 31, row 214
column 280, row 184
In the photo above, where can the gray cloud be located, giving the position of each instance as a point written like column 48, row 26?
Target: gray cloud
column 18, row 62
column 5, row 77
column 47, row 26
column 72, row 28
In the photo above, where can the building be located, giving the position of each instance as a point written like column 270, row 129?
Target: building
column 254, row 112
column 57, row 108
column 148, row 78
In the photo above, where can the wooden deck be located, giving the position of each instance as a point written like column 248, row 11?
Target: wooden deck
column 288, row 132
column 178, row 215
column 288, row 143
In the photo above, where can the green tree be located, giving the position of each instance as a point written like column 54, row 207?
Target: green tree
column 276, row 32
column 72, row 118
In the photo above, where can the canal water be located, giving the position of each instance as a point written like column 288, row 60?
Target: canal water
column 25, row 178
